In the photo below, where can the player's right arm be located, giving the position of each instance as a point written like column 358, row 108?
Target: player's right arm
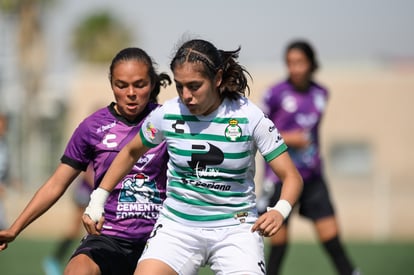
column 296, row 138
column 119, row 168
column 44, row 198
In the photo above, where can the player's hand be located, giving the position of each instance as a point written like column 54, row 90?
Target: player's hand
column 6, row 236
column 93, row 218
column 297, row 138
column 91, row 226
column 269, row 223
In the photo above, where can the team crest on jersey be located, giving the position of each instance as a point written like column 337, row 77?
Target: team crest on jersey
column 233, row 130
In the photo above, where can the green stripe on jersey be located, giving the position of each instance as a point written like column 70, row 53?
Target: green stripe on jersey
column 220, row 138
column 188, row 153
column 221, row 120
column 189, row 170
column 199, row 217
column 203, row 203
column 189, row 186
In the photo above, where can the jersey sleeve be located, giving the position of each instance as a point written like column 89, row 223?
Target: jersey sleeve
column 268, row 139
column 77, row 151
column 151, row 131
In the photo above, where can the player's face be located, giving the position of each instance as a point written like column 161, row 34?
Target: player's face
column 196, row 91
column 299, row 67
column 132, row 87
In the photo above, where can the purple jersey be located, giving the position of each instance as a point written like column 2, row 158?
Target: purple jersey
column 133, row 206
column 294, row 110
column 82, row 193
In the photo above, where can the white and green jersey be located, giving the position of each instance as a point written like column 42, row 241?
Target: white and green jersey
column 212, row 160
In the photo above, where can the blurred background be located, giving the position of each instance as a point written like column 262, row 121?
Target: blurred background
column 54, row 62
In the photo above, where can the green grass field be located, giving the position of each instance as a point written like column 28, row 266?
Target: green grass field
column 24, row 257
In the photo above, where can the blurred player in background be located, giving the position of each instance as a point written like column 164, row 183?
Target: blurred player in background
column 296, row 106
column 128, row 221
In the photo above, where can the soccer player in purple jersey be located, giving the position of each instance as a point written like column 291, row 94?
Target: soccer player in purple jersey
column 296, row 106
column 132, row 208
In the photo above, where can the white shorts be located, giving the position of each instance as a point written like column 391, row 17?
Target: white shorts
column 227, row 250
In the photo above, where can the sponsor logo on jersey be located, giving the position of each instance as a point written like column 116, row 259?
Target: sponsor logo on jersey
column 241, row 216
column 177, row 126
column 138, row 198
column 143, row 161
column 319, row 101
column 106, row 127
column 139, row 188
column 208, row 185
column 206, row 172
column 306, row 120
column 109, row 140
column 200, row 160
column 289, row 104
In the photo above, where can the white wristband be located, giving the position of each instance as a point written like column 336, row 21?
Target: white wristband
column 283, row 207
column 95, row 209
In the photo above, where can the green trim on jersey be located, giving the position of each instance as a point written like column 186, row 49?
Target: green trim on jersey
column 144, row 140
column 282, row 148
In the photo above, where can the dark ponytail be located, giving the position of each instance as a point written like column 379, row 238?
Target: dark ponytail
column 234, row 80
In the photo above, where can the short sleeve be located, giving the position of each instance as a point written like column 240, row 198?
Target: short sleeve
column 78, row 150
column 151, row 131
column 268, row 139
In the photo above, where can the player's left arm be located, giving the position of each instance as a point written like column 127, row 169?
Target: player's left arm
column 93, row 217
column 45, row 197
column 271, row 221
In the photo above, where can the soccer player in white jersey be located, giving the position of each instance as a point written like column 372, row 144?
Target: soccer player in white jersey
column 212, row 132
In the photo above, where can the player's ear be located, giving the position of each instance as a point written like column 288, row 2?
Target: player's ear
column 218, row 78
